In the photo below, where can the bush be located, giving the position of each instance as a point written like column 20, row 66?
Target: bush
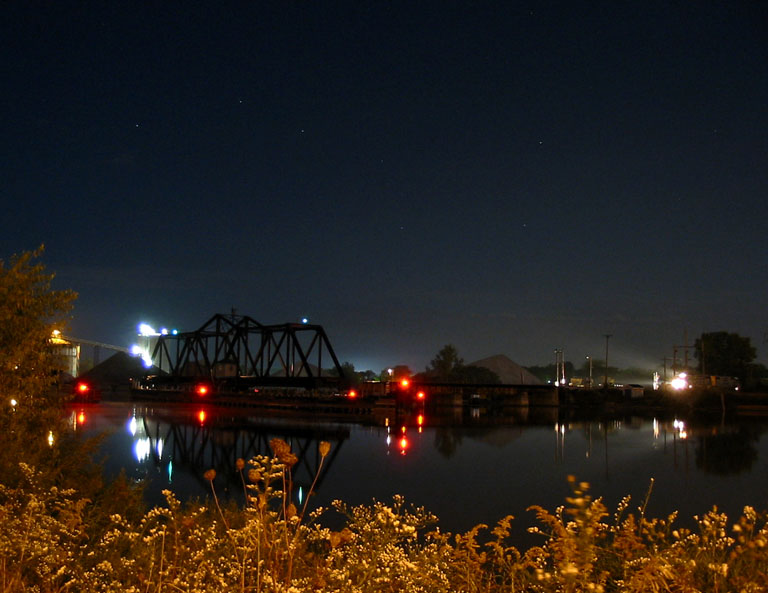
column 47, row 544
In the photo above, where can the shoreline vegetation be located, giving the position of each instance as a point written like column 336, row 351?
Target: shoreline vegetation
column 63, row 528
column 56, row 537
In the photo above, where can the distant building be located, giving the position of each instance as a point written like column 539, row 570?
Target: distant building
column 68, row 353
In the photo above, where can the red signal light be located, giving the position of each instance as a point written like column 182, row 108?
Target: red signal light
column 202, row 390
column 404, row 383
column 83, row 387
column 420, row 395
column 352, row 394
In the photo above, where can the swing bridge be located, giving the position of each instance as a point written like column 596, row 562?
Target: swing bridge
column 237, row 354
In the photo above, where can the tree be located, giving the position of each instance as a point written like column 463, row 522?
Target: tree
column 33, row 430
column 445, row 363
column 548, row 372
column 349, row 370
column 725, row 354
column 448, row 367
column 29, row 312
column 367, row 375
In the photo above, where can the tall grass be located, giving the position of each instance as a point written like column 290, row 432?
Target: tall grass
column 50, row 541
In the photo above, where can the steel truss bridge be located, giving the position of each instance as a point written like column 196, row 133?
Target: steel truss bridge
column 237, row 353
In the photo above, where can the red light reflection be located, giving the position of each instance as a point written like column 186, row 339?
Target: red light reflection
column 403, row 445
column 81, row 418
column 201, row 415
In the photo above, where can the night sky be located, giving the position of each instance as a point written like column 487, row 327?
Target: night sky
column 508, row 177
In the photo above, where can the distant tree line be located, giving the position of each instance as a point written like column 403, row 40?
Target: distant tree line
column 718, row 353
column 446, row 367
column 547, row 373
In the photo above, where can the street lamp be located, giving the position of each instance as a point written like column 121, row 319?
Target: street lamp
column 589, row 358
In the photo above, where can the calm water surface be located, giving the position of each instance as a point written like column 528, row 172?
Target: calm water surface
column 467, row 468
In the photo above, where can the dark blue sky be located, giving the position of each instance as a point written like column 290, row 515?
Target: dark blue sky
column 508, row 177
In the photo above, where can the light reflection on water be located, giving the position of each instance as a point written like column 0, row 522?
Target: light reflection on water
column 468, row 468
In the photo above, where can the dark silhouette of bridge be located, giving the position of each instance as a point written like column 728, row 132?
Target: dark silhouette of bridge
column 237, row 353
column 207, row 438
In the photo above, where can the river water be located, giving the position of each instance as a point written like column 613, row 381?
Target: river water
column 467, row 467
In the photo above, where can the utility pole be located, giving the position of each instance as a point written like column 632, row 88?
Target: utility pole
column 562, row 368
column 685, row 347
column 664, row 361
column 607, row 337
column 589, row 358
column 559, row 364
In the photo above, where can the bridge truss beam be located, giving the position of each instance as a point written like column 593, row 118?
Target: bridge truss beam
column 235, row 347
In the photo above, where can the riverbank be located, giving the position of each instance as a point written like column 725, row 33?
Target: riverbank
column 53, row 540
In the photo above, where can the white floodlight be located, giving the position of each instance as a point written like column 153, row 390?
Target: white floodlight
column 147, row 330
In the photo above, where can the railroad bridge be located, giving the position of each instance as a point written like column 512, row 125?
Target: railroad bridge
column 293, row 364
column 236, row 353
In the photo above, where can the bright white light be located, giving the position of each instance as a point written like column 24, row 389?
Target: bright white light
column 147, row 330
column 174, row 332
column 304, row 320
column 164, row 331
column 679, row 382
column 142, row 449
column 132, row 426
column 159, row 448
column 143, row 353
column 50, row 438
column 679, row 426
column 13, row 403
